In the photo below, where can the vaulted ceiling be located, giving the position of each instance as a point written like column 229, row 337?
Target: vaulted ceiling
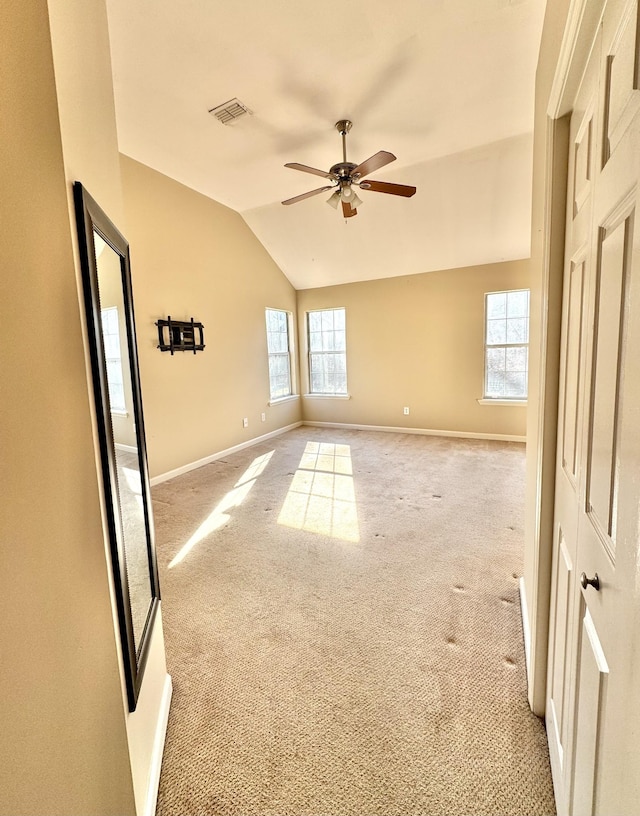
column 445, row 85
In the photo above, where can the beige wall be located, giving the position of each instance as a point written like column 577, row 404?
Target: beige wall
column 63, row 746
column 547, row 250
column 193, row 257
column 84, row 86
column 416, row 341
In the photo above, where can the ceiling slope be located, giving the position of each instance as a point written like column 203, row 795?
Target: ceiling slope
column 447, row 86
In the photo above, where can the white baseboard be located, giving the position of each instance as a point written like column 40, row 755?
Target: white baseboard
column 526, row 631
column 158, row 748
column 421, row 431
column 163, row 477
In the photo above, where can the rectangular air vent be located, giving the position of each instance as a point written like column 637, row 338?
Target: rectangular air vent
column 228, row 112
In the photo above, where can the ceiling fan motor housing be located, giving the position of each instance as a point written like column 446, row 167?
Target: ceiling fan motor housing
column 343, row 171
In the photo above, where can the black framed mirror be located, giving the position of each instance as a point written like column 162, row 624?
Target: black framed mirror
column 106, row 272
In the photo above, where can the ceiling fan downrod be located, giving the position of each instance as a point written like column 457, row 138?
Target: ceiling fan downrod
column 343, row 126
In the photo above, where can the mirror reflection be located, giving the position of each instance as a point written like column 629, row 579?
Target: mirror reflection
column 128, row 489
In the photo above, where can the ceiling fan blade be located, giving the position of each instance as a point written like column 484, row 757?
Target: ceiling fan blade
column 347, row 210
column 386, row 187
column 374, row 162
column 305, row 169
column 302, row 197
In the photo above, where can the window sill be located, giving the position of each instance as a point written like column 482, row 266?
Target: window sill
column 328, row 396
column 115, row 412
column 289, row 398
column 510, row 402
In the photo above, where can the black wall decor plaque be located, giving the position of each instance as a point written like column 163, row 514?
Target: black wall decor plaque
column 180, row 335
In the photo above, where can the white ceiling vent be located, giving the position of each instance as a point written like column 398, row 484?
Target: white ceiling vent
column 230, row 111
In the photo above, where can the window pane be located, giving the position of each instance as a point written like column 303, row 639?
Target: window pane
column 277, row 342
column 111, row 345
column 518, row 330
column 516, row 358
column 317, row 373
column 496, row 305
column 327, row 319
column 327, row 340
column 315, row 341
column 518, row 304
column 279, row 376
column 338, row 319
column 495, row 383
column 495, row 359
column 515, row 384
column 496, row 331
column 315, row 321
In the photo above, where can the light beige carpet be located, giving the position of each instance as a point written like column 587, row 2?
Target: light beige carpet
column 343, row 631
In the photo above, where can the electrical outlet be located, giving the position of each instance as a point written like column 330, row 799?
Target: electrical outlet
column 263, row 416
column 405, row 410
column 245, row 422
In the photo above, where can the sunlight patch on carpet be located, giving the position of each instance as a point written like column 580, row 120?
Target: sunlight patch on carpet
column 218, row 516
column 322, row 498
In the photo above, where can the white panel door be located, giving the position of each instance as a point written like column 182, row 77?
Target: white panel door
column 593, row 697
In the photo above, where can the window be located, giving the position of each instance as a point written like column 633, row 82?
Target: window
column 506, row 350
column 327, row 352
column 113, row 358
column 279, row 350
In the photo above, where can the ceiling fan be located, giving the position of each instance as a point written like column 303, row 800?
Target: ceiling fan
column 345, row 175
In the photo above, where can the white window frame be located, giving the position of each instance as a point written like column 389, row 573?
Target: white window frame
column 288, row 354
column 490, row 398
column 115, row 359
column 311, row 352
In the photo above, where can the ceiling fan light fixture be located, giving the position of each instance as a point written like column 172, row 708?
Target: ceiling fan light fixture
column 347, row 193
column 334, row 199
column 355, row 201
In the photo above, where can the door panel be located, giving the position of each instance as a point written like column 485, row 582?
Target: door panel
column 574, row 353
column 559, row 702
column 609, row 331
column 593, row 673
column 620, row 103
column 594, row 646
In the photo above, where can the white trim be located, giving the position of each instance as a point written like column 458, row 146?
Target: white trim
column 565, row 57
column 583, row 19
column 163, row 477
column 158, row 748
column 126, row 448
column 419, row 431
column 327, row 396
column 500, row 401
column 526, row 631
column 288, row 398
